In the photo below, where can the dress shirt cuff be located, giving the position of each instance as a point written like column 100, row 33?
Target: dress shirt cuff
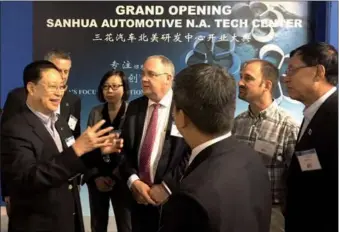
column 166, row 187
column 131, row 179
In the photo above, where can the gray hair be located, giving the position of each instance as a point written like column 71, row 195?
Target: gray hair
column 59, row 54
column 165, row 61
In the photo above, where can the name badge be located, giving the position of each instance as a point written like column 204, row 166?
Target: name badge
column 308, row 160
column 69, row 141
column 72, row 122
column 264, row 147
column 175, row 131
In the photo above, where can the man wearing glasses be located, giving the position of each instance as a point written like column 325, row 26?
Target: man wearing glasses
column 69, row 108
column 40, row 156
column 312, row 182
column 153, row 148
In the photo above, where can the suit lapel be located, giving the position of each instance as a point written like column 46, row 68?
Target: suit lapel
column 315, row 121
column 299, row 133
column 40, row 130
column 170, row 122
column 63, row 131
column 201, row 157
column 65, row 107
column 166, row 153
column 215, row 149
column 140, row 121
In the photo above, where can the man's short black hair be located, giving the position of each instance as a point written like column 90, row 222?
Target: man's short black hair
column 207, row 95
column 320, row 53
column 32, row 72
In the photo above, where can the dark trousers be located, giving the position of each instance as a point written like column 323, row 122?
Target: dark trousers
column 78, row 224
column 120, row 197
column 145, row 218
column 9, row 226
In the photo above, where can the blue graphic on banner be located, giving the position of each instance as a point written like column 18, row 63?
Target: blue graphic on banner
column 119, row 35
column 113, row 35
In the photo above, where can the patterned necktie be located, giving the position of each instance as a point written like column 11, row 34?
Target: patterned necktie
column 147, row 146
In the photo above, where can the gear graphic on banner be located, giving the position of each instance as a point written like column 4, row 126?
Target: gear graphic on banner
column 221, row 50
column 214, row 51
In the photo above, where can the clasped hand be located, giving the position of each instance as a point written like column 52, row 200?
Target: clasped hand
column 144, row 194
column 104, row 183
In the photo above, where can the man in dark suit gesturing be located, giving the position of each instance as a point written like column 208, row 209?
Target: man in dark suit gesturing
column 312, row 182
column 69, row 108
column 225, row 186
column 153, row 148
column 40, row 157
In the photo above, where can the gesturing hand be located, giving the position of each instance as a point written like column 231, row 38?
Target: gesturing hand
column 93, row 138
column 117, row 144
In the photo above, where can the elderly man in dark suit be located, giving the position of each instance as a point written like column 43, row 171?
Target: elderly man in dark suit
column 155, row 155
column 69, row 108
column 40, row 157
column 225, row 186
column 312, row 182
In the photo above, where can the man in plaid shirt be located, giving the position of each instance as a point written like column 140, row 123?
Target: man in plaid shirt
column 267, row 128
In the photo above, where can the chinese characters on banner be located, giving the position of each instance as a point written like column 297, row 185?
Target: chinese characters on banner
column 128, row 67
column 167, row 38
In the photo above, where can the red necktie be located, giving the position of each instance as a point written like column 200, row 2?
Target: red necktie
column 147, row 147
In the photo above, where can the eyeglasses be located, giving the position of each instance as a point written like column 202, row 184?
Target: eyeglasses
column 113, row 87
column 151, row 74
column 291, row 71
column 55, row 88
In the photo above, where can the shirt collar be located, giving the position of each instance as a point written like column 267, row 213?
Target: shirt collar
column 269, row 111
column 310, row 111
column 45, row 118
column 58, row 110
column 166, row 101
column 204, row 145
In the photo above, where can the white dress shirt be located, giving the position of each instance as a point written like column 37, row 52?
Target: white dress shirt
column 49, row 123
column 310, row 111
column 163, row 116
column 58, row 110
column 204, row 145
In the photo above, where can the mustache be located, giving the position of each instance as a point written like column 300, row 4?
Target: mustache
column 242, row 88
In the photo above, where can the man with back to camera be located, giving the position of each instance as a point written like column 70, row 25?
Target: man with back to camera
column 312, row 181
column 40, row 155
column 267, row 128
column 225, row 186
column 155, row 154
column 69, row 109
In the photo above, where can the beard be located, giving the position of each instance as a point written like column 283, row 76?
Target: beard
column 242, row 93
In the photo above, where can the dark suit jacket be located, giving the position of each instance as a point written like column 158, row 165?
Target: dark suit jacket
column 41, row 198
column 16, row 102
column 225, row 188
column 312, row 196
column 175, row 151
